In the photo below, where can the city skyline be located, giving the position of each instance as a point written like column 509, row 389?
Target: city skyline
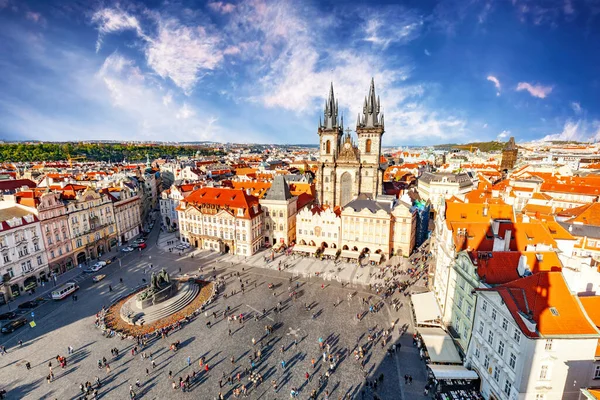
column 254, row 71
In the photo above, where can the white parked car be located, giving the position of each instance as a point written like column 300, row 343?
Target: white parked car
column 94, row 268
column 127, row 249
column 101, row 263
column 138, row 241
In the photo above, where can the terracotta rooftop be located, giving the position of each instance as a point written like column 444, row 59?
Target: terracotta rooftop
column 588, row 214
column 221, row 197
column 502, row 267
column 471, row 212
column 546, row 300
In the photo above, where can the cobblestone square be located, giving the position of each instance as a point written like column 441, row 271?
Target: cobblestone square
column 226, row 346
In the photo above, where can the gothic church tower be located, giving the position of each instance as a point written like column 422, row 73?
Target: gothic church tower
column 346, row 169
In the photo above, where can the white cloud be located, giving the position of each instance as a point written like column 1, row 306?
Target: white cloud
column 110, row 20
column 297, row 78
column 427, row 53
column 221, row 7
column 178, row 52
column 485, row 126
column 536, row 90
column 185, row 112
column 156, row 114
column 492, row 78
column 232, row 50
column 576, row 107
column 577, row 130
column 391, row 25
column 182, row 53
column 503, row 135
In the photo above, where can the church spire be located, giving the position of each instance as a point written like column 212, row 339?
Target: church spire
column 331, row 111
column 371, row 109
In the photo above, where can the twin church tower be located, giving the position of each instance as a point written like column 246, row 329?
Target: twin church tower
column 345, row 168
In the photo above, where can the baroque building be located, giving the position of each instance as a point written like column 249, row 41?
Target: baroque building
column 347, row 169
column 220, row 219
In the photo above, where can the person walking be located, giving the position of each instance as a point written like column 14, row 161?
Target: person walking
column 189, row 361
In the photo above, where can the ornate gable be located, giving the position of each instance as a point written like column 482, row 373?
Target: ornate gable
column 349, row 152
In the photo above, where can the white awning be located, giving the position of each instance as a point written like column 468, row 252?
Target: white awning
column 349, row 254
column 452, row 372
column 426, row 308
column 329, row 251
column 375, row 257
column 305, row 249
column 440, row 346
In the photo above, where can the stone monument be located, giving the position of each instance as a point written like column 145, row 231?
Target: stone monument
column 160, row 289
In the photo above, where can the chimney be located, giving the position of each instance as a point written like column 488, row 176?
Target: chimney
column 522, row 266
column 495, row 227
column 507, row 236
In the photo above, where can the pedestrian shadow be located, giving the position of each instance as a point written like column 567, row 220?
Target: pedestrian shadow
column 187, row 341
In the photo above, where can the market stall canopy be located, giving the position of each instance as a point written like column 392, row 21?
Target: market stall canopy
column 375, row 257
column 426, row 308
column 452, row 372
column 330, row 251
column 305, row 249
column 350, row 254
column 440, row 346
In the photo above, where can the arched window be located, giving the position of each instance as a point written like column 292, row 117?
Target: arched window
column 328, row 147
column 368, row 146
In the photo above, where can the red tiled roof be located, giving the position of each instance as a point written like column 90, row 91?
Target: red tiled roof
column 222, row 198
column 13, row 184
column 502, row 267
column 546, row 299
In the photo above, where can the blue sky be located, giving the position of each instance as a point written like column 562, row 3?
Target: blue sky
column 259, row 70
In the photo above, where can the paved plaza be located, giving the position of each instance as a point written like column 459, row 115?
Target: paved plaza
column 334, row 305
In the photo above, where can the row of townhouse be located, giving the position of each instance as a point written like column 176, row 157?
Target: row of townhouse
column 511, row 306
column 67, row 225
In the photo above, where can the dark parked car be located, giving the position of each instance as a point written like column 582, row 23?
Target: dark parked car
column 28, row 304
column 7, row 315
column 14, row 325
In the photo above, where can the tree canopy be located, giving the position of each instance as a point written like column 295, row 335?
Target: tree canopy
column 19, row 152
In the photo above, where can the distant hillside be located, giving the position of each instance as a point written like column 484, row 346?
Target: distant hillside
column 482, row 146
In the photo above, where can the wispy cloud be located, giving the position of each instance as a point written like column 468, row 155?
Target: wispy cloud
column 156, row 113
column 221, row 7
column 577, row 130
column 110, row 20
column 178, row 52
column 548, row 12
column 427, row 53
column 503, row 135
column 395, row 25
column 182, row 53
column 536, row 90
column 576, row 107
column 492, row 78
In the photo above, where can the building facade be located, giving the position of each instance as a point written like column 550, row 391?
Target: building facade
column 529, row 345
column 91, row 222
column 345, row 169
column 436, row 187
column 280, row 209
column 127, row 206
column 24, row 265
column 319, row 226
column 54, row 221
column 224, row 220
